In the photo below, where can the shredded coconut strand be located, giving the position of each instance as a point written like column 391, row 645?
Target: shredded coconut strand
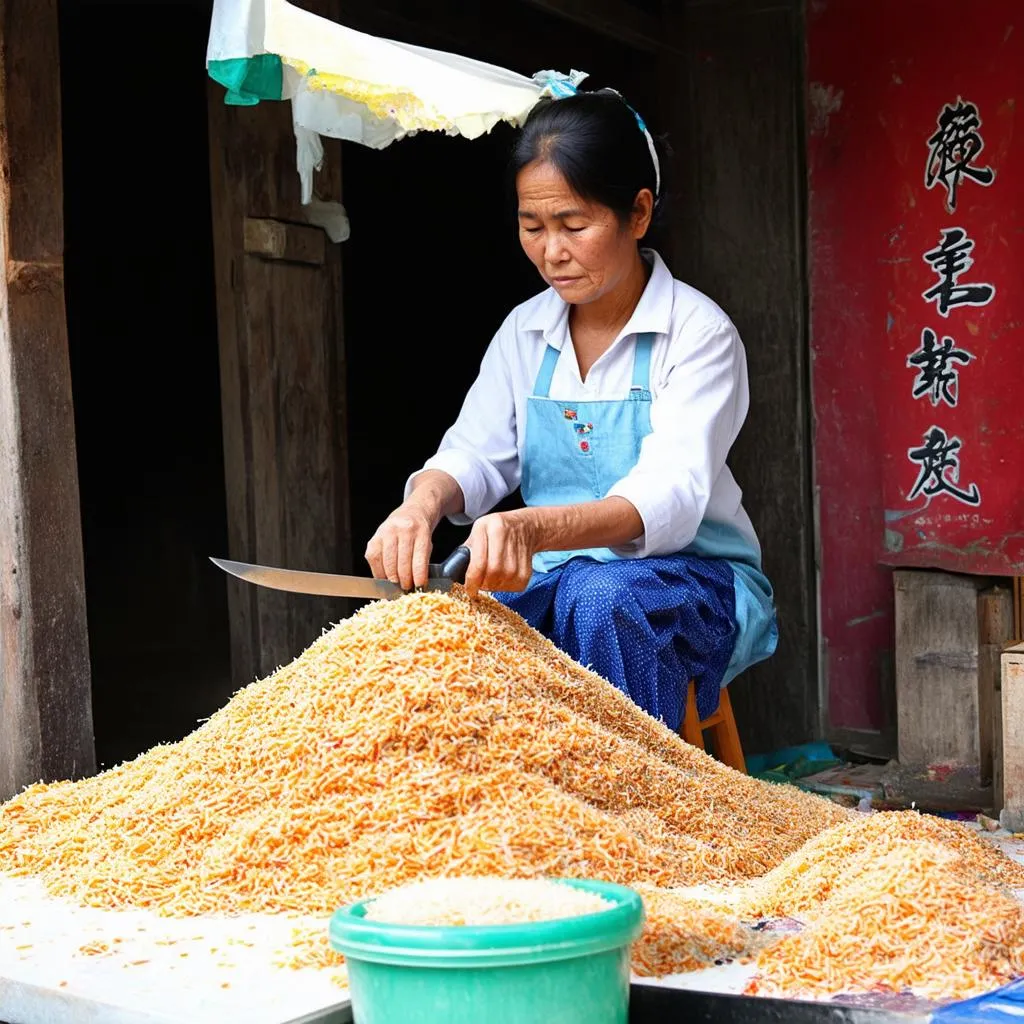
column 435, row 736
column 483, row 901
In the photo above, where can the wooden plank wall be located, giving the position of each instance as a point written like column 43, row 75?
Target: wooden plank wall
column 282, row 376
column 738, row 234
column 45, row 701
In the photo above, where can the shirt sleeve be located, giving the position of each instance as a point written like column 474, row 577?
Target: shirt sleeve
column 694, row 421
column 480, row 450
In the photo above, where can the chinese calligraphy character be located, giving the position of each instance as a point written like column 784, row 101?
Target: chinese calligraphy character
column 940, row 469
column 936, row 374
column 954, row 148
column 949, row 261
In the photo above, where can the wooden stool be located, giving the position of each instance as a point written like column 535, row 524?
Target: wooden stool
column 722, row 726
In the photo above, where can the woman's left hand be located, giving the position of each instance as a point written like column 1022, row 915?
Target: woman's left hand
column 503, row 545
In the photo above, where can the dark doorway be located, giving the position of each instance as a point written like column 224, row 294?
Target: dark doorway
column 434, row 264
column 143, row 347
column 431, row 269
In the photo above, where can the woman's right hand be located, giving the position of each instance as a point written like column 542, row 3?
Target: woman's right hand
column 400, row 549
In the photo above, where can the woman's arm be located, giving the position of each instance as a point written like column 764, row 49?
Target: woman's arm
column 475, row 467
column 591, row 524
column 438, row 493
column 694, row 424
column 504, row 544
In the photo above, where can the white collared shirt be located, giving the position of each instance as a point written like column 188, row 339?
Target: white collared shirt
column 699, row 402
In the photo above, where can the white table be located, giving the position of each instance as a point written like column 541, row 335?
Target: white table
column 201, row 970
column 228, row 974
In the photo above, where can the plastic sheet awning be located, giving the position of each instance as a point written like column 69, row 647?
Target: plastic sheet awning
column 346, row 84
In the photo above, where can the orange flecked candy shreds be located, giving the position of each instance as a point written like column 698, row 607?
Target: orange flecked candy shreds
column 439, row 736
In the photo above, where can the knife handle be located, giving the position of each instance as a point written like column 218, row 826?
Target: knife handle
column 454, row 567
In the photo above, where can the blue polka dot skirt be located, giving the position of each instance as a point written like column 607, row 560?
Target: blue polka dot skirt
column 647, row 625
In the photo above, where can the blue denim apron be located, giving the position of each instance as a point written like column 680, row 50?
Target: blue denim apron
column 647, row 625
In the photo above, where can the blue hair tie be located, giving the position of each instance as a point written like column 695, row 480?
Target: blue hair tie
column 559, row 86
column 649, row 138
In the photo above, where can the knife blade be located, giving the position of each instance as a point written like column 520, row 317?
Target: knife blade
column 324, row 584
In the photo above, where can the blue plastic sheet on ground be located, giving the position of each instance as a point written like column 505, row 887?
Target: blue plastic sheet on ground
column 814, row 752
column 1004, row 1004
column 791, row 765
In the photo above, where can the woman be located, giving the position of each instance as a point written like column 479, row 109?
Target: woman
column 612, row 399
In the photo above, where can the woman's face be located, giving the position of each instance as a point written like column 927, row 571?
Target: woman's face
column 581, row 248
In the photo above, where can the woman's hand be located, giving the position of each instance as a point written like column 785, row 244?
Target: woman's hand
column 503, row 545
column 400, row 549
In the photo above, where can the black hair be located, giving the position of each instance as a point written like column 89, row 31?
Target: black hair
column 597, row 144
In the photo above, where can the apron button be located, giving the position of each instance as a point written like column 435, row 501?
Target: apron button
column 584, row 446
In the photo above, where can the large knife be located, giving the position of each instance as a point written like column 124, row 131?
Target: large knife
column 442, row 576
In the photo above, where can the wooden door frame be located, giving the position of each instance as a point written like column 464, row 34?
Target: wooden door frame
column 45, row 687
column 618, row 20
column 254, row 188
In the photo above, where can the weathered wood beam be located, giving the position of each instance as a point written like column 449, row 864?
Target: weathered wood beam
column 741, row 7
column 1012, row 815
column 612, row 18
column 995, row 634
column 282, row 371
column 731, row 109
column 45, row 699
column 278, row 240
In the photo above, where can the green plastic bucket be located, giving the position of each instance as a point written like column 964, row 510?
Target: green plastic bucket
column 574, row 970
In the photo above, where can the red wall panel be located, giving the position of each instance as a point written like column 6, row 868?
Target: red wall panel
column 916, row 205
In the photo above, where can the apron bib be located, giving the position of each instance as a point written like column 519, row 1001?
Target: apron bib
column 575, row 451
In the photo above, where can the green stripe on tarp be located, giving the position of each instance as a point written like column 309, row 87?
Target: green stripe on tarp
column 248, row 79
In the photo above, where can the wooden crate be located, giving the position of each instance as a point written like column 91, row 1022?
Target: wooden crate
column 937, row 668
column 1012, row 816
column 951, row 632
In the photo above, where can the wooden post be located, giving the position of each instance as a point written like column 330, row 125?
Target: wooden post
column 995, row 634
column 937, row 668
column 45, row 701
column 738, row 229
column 621, row 21
column 282, row 376
column 1012, row 815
